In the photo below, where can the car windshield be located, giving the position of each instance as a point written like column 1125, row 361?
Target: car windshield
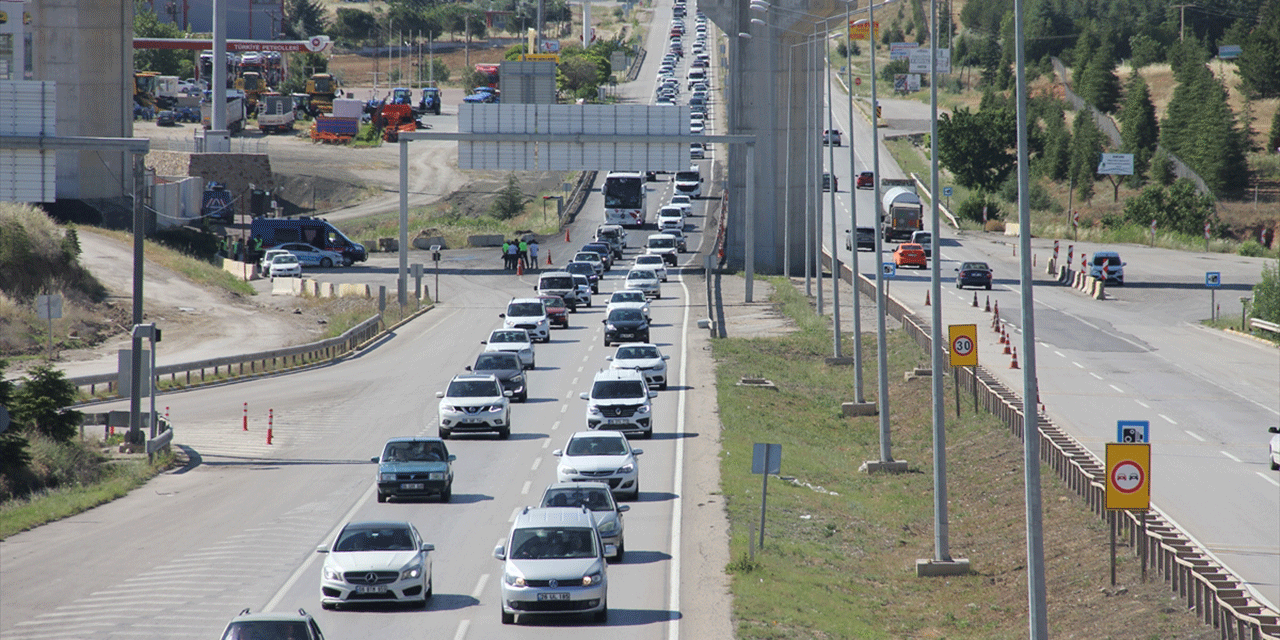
column 495, row 361
column 680, row 199
column 472, row 389
column 662, row 243
column 418, row 451
column 580, row 268
column 627, row 296
column 636, row 353
column 387, row 538
column 525, row 309
column 587, row 256
column 645, row 274
column 552, row 542
column 669, row 212
column 655, row 260
column 557, row 282
column 974, row 266
column 509, row 336
column 617, row 390
column 593, row 499
column 1105, row 260
column 595, row 446
column 626, row 315
column 255, row 629
column 553, row 302
column 287, row 258
column 687, row 176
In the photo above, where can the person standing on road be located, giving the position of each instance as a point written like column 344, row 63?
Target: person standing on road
column 506, row 258
column 533, row 253
column 513, row 254
column 523, row 250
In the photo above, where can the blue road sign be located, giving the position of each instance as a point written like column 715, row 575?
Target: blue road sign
column 1213, row 279
column 889, row 269
column 1133, row 431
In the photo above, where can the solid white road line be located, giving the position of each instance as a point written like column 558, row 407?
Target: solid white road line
column 677, row 483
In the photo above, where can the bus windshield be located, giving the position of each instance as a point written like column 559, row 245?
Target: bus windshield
column 623, row 191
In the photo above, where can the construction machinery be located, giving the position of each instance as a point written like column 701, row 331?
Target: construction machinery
column 430, row 102
column 144, row 89
column 253, row 85
column 323, row 88
column 235, row 109
column 392, row 119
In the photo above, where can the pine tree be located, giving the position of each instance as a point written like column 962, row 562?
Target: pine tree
column 1086, row 147
column 1139, row 130
column 1259, row 62
column 1098, row 83
column 1273, row 138
column 1200, row 128
column 1056, row 161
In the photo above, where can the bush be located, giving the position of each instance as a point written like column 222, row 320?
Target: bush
column 971, row 208
column 39, row 405
column 1266, row 294
column 1251, row 249
column 1040, row 198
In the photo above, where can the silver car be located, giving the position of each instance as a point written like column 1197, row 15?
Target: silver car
column 554, row 563
column 597, row 498
column 645, row 280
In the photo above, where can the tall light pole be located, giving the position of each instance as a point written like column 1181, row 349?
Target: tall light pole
column 853, row 215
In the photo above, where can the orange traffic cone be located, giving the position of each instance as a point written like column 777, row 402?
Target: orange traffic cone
column 997, row 308
column 926, row 298
column 975, row 299
column 519, row 268
column 1004, row 338
column 988, row 309
column 1013, row 364
column 548, row 258
column 566, row 235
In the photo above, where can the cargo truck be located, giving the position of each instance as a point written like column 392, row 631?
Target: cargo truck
column 275, row 113
column 901, row 213
column 236, row 112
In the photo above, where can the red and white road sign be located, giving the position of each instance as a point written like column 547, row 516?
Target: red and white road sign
column 1128, row 476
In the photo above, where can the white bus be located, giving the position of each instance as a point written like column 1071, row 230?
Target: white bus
column 624, row 199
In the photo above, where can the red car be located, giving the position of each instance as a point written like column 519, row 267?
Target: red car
column 866, row 180
column 910, row 254
column 557, row 311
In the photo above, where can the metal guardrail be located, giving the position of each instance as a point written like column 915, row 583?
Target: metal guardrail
column 194, row 373
column 1207, row 588
column 1259, row 323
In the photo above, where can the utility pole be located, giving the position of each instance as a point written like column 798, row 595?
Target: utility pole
column 1182, row 27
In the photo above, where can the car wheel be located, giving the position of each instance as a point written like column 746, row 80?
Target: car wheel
column 606, row 343
column 647, row 435
column 988, row 287
column 658, row 295
column 533, row 364
column 524, row 397
column 445, row 496
column 504, row 434
column 431, row 590
column 508, row 618
column 1275, row 465
column 326, row 263
column 602, row 615
column 443, row 433
column 635, row 493
column 382, row 497
column 622, row 550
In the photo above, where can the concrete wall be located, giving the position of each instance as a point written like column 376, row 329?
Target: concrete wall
column 236, row 170
column 86, row 47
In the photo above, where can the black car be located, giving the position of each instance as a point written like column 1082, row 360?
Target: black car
column 602, row 248
column 585, row 269
column 625, row 325
column 973, row 274
column 506, row 367
column 866, row 239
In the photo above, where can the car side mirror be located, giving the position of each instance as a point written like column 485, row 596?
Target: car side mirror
column 507, row 392
column 322, row 549
column 1274, row 430
column 452, row 457
column 374, row 459
column 468, row 367
column 653, row 394
column 427, row 546
column 956, row 269
column 636, row 452
column 611, row 550
column 665, row 357
column 502, row 315
column 624, row 507
column 557, row 453
column 584, row 395
column 604, row 322
column 439, row 394
column 500, row 552
column 609, row 358
column 484, row 342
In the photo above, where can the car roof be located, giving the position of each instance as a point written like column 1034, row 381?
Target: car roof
column 476, row 376
column 909, row 245
column 413, row 439
column 552, row 516
column 638, row 344
column 575, row 485
column 535, row 299
column 614, row 374
column 272, row 616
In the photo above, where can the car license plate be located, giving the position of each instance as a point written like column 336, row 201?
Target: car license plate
column 626, row 335
column 553, row 596
column 617, row 421
column 412, row 486
column 371, row 589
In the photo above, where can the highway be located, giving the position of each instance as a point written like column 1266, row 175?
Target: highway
column 1141, row 354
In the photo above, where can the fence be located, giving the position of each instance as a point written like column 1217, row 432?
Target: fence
column 1208, row 589
column 194, row 373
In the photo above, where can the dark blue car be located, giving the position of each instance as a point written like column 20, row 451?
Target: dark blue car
column 415, row 467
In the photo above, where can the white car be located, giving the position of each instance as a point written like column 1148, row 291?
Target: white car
column 516, row 341
column 529, row 314
column 628, row 298
column 683, row 201
column 376, row 562
column 645, row 358
column 1275, row 449
column 645, row 280
column 670, row 217
column 285, row 264
column 600, row 456
column 696, row 152
column 265, row 263
column 475, row 402
column 652, row 261
column 553, row 563
column 583, row 286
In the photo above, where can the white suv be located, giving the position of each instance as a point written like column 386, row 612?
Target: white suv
column 619, row 400
column 664, row 245
column 529, row 314
column 554, row 563
column 474, row 402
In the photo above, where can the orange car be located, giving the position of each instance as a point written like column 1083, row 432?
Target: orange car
column 910, row 254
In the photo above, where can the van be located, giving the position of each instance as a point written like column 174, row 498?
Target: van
column 615, row 236
column 559, row 283
column 924, row 239
column 689, row 182
column 313, row 231
column 1106, row 265
column 696, row 75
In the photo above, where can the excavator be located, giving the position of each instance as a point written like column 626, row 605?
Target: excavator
column 323, row 88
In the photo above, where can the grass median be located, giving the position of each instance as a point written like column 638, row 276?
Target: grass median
column 840, row 546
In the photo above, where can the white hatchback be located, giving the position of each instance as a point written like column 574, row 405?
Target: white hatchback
column 652, row 261
column 629, row 298
column 645, row 358
column 600, row 456
column 645, row 280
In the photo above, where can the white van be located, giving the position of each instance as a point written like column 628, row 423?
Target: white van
column 689, row 182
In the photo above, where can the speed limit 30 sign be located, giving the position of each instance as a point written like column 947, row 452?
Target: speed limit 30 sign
column 1128, row 476
column 962, row 341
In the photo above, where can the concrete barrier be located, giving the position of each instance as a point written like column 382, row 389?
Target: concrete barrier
column 243, row 270
column 352, row 290
column 388, row 245
column 424, row 243
column 1050, row 268
column 485, row 240
column 324, row 290
column 286, row 286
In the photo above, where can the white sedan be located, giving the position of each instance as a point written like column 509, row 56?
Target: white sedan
column 515, row 341
column 652, row 261
column 376, row 562
column 628, row 298
column 285, row 264
column 600, row 456
column 645, row 280
column 645, row 358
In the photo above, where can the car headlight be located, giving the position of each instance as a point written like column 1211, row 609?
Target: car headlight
column 627, row 468
column 412, row 571
column 494, row 408
column 332, row 574
column 518, row 378
column 513, row 580
column 593, row 578
column 569, row 471
column 387, row 477
column 610, row 327
column 608, row 528
column 644, row 408
column 593, row 410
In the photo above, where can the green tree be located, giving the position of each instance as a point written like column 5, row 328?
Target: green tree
column 1200, row 128
column 1161, row 169
column 168, row 62
column 510, row 201
column 1259, row 62
column 977, row 148
column 1144, row 50
column 1177, row 207
column 1266, row 294
column 1098, row 84
column 303, row 19
column 14, row 456
column 353, row 27
column 580, row 72
column 301, row 66
column 1273, row 137
column 1045, row 23
column 1086, row 149
column 1139, row 129
column 1055, row 162
column 40, row 404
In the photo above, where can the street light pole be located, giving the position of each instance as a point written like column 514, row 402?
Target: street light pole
column 853, row 216
column 882, row 357
column 835, row 249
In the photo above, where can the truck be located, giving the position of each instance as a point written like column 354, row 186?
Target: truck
column 275, row 113
column 166, row 92
column 901, row 213
column 323, row 88
column 218, row 203
column 253, row 85
column 236, row 112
